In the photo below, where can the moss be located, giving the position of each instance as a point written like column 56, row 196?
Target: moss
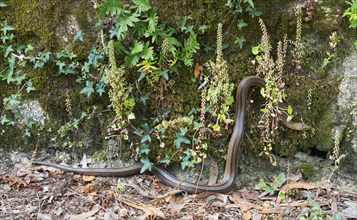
column 307, row 170
column 41, row 22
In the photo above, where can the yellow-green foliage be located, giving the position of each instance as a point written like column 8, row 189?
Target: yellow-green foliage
column 119, row 91
column 219, row 93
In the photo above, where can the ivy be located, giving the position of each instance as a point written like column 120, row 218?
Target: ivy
column 180, row 138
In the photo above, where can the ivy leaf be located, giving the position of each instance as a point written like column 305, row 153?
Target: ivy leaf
column 250, row 2
column 241, row 24
column 145, row 137
column 144, row 99
column 88, row 89
column 181, row 138
column 147, row 165
column 239, row 41
column 202, row 29
column 8, row 50
column 27, row 133
column 197, row 126
column 164, row 73
column 145, row 149
column 4, row 120
column 253, row 12
column 78, row 36
column 7, row 27
column 166, row 160
column 142, row 75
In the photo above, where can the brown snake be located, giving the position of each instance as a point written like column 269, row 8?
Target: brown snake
column 232, row 153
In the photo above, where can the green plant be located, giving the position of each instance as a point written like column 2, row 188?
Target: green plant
column 351, row 13
column 274, row 92
column 334, row 39
column 272, row 187
column 336, row 156
column 238, row 7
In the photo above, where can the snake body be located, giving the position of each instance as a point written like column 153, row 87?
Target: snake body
column 232, row 153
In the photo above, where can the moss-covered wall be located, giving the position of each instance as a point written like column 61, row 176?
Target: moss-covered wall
column 45, row 24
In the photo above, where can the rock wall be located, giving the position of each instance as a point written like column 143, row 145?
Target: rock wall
column 312, row 91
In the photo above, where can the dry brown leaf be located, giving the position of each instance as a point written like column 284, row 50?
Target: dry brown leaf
column 295, row 185
column 148, row 209
column 270, row 211
column 198, row 70
column 247, row 215
column 243, row 204
column 91, row 188
column 88, row 178
column 86, row 215
column 251, row 195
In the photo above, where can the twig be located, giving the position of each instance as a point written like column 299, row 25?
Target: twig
column 7, row 104
column 73, row 191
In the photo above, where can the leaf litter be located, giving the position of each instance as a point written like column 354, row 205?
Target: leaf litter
column 46, row 193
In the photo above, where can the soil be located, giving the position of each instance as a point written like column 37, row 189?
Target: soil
column 38, row 192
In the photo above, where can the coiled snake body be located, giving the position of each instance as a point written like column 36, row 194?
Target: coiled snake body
column 232, row 153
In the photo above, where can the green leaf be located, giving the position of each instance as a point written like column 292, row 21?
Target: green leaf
column 147, row 165
column 145, row 137
column 261, row 185
column 142, row 75
column 129, row 20
column 197, row 126
column 111, row 7
column 253, row 12
column 216, row 128
column 241, row 24
column 132, row 60
column 202, row 29
column 181, row 139
column 29, row 48
column 239, row 41
column 290, row 110
column 165, row 74
column 78, row 36
column 4, row 120
column 142, row 5
column 7, row 27
column 256, row 50
column 30, row 87
column 144, row 149
column 27, row 133
column 88, row 89
column 166, row 160
column 2, row 4
column 250, row 2
column 138, row 47
column 147, row 53
column 8, row 50
column 144, row 99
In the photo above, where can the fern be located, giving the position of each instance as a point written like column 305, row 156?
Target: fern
column 111, row 7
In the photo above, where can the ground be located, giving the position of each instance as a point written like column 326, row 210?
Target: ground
column 38, row 192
